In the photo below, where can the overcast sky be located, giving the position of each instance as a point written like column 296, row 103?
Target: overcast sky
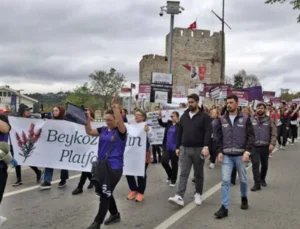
column 53, row 45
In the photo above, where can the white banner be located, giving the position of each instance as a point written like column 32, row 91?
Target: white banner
column 61, row 144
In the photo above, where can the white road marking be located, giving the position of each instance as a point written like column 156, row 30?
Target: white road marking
column 182, row 212
column 35, row 187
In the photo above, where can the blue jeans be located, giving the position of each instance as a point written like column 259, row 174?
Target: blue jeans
column 64, row 175
column 228, row 163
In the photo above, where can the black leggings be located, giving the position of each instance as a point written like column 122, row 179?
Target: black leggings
column 19, row 174
column 109, row 203
column 294, row 130
column 3, row 179
column 84, row 176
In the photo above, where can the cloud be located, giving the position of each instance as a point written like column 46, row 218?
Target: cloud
column 54, row 43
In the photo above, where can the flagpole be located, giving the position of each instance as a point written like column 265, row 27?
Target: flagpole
column 223, row 44
column 130, row 98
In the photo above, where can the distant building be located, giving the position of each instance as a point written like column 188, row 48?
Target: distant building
column 11, row 99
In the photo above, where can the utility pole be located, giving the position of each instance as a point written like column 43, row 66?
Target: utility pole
column 223, row 39
column 172, row 8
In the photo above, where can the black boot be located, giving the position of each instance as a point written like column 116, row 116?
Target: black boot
column 256, row 188
column 221, row 213
column 90, row 186
column 113, row 219
column 77, row 191
column 263, row 183
column 39, row 176
column 244, row 204
column 94, row 225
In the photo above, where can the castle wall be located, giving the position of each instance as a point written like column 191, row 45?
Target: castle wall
column 194, row 48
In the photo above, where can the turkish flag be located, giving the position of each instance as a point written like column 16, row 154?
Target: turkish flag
column 193, row 25
column 202, row 72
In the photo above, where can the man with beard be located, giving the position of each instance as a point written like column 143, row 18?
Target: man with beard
column 265, row 141
column 235, row 139
column 193, row 139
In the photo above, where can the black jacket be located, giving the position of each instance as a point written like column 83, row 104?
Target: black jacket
column 167, row 126
column 195, row 131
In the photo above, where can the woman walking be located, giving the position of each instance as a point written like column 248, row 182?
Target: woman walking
column 137, row 188
column 111, row 149
column 169, row 147
column 214, row 114
column 85, row 175
column 58, row 113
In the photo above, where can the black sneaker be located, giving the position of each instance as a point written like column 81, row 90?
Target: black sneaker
column 263, row 183
column 45, row 186
column 90, row 186
column 62, row 184
column 17, row 183
column 94, row 225
column 221, row 213
column 113, row 219
column 255, row 188
column 77, row 191
column 39, row 176
column 194, row 180
column 232, row 182
column 244, row 205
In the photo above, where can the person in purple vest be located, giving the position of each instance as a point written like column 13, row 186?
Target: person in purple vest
column 112, row 142
column 235, row 140
column 169, row 146
column 4, row 133
column 265, row 140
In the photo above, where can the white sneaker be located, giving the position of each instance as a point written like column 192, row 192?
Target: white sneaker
column 172, row 185
column 198, row 200
column 283, row 148
column 176, row 200
column 212, row 165
column 2, row 220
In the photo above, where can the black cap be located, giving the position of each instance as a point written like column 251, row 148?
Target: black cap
column 23, row 108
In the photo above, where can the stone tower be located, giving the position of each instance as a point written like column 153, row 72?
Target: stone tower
column 191, row 47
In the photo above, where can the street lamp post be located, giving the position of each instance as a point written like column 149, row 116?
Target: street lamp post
column 19, row 94
column 172, row 8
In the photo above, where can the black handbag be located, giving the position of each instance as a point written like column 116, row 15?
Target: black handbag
column 101, row 173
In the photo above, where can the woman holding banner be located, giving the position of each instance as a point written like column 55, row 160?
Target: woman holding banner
column 169, row 147
column 58, row 113
column 85, row 175
column 137, row 188
column 111, row 148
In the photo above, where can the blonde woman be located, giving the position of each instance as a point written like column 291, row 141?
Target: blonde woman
column 138, row 186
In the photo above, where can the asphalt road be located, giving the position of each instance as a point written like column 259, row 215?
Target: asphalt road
column 274, row 207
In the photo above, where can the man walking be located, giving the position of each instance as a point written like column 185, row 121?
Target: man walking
column 265, row 141
column 235, row 139
column 194, row 135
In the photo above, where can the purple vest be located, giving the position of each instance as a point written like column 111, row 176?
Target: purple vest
column 110, row 141
column 262, row 130
column 171, row 138
column 234, row 136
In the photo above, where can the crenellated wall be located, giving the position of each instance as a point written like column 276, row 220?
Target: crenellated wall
column 191, row 47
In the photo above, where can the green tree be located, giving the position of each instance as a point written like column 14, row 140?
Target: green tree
column 290, row 96
column 106, row 84
column 83, row 95
column 242, row 80
column 295, row 3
